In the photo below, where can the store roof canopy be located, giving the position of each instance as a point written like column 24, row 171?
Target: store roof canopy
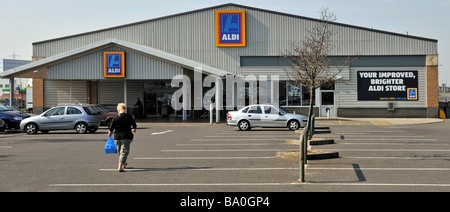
column 162, row 55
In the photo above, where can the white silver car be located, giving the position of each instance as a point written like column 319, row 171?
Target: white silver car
column 78, row 117
column 264, row 116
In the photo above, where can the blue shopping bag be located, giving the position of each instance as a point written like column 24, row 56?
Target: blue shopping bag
column 110, row 146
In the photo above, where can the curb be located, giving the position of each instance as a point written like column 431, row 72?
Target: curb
column 312, row 155
column 314, row 141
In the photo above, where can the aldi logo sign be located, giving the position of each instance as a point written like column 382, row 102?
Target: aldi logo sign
column 113, row 64
column 230, row 28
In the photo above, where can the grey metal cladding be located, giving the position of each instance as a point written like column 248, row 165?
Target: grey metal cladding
column 90, row 67
column 192, row 35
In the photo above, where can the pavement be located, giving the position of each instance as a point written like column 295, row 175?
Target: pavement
column 383, row 121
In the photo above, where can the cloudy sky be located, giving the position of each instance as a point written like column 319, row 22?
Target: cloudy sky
column 26, row 21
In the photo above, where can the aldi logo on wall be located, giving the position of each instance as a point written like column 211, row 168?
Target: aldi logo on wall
column 230, row 28
column 113, row 64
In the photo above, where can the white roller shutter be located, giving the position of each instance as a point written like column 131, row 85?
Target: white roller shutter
column 58, row 92
column 110, row 92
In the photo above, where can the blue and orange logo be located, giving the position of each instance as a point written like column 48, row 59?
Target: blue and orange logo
column 113, row 64
column 230, row 28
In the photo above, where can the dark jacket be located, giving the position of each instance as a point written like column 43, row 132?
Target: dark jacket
column 121, row 125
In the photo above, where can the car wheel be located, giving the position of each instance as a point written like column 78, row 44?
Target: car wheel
column 108, row 122
column 93, row 130
column 31, row 128
column 244, row 125
column 293, row 125
column 81, row 128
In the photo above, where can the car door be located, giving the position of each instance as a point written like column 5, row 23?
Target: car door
column 72, row 116
column 254, row 115
column 52, row 119
column 272, row 117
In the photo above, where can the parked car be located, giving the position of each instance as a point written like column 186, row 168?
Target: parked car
column 78, row 117
column 105, row 115
column 264, row 116
column 12, row 118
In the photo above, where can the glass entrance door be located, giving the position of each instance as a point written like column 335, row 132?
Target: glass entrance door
column 158, row 96
column 327, row 102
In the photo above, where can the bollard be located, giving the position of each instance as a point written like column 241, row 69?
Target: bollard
column 311, row 132
column 303, row 155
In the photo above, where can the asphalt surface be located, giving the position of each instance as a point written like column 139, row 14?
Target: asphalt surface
column 197, row 157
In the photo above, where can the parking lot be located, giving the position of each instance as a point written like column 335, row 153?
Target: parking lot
column 201, row 157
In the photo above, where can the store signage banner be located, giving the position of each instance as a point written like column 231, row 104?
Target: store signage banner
column 387, row 85
column 230, row 28
column 114, row 64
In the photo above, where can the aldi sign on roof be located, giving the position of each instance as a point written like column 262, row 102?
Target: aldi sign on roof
column 230, row 28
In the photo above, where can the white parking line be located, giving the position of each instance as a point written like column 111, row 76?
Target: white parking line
column 5, row 147
column 203, row 158
column 380, row 184
column 382, row 169
column 226, row 150
column 172, row 184
column 237, row 144
column 160, row 133
column 249, row 136
column 403, row 158
column 252, row 184
column 396, row 143
column 390, row 139
column 202, row 169
column 387, row 150
column 239, row 139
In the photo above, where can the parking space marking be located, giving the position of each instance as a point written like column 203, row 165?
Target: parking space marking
column 203, row 158
column 5, row 147
column 380, row 169
column 253, row 184
column 160, row 133
column 403, row 158
column 378, row 184
column 172, row 184
column 227, row 150
column 388, row 150
column 236, row 144
column 396, row 143
column 391, row 139
column 249, row 136
column 238, row 139
column 202, row 169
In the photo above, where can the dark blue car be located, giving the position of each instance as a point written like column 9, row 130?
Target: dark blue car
column 12, row 118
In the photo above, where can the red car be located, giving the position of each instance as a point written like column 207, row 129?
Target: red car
column 105, row 115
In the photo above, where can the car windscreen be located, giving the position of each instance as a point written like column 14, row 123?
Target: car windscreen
column 4, row 108
column 90, row 110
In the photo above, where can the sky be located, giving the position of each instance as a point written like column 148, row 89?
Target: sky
column 23, row 22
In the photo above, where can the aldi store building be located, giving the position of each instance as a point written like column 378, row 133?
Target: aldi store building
column 394, row 75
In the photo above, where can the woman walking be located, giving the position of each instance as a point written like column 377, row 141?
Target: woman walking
column 123, row 125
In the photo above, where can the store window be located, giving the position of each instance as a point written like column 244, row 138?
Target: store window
column 290, row 95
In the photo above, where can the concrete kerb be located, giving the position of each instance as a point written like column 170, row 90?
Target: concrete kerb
column 387, row 121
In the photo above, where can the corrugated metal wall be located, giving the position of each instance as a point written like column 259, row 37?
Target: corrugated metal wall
column 90, row 66
column 58, row 92
column 112, row 92
column 191, row 35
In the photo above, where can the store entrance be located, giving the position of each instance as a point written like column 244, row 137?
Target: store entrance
column 327, row 102
column 157, row 99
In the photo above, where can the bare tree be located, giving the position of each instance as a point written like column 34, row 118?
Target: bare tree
column 310, row 65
